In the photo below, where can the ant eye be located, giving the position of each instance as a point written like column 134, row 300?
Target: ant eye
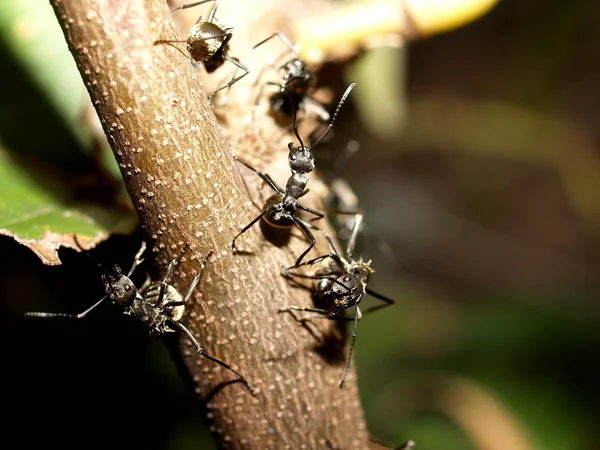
column 127, row 287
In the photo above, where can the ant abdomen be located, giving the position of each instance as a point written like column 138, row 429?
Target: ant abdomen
column 275, row 214
column 206, row 40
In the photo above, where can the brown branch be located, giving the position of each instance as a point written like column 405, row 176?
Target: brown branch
column 187, row 189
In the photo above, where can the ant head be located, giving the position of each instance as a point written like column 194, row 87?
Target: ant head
column 362, row 271
column 119, row 288
column 340, row 304
column 295, row 70
column 300, row 159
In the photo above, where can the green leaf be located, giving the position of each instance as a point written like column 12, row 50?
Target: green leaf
column 37, row 211
column 43, row 91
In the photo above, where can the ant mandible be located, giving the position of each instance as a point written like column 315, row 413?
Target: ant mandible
column 208, row 43
column 341, row 285
column 297, row 80
column 159, row 305
column 280, row 209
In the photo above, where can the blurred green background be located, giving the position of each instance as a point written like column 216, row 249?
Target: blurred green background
column 486, row 186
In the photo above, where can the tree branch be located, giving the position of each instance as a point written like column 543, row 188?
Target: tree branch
column 186, row 188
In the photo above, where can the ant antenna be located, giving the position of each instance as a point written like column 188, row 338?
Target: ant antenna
column 337, row 110
column 212, row 13
column 294, row 122
column 357, row 317
column 329, row 127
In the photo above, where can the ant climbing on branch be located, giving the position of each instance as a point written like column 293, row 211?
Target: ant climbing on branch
column 280, row 210
column 157, row 304
column 341, row 285
column 297, row 81
column 208, row 43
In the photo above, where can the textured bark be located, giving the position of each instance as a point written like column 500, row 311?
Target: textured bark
column 187, row 188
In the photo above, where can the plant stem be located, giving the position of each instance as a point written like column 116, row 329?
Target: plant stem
column 187, row 188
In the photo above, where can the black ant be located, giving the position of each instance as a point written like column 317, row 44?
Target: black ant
column 341, row 197
column 208, row 43
column 341, row 285
column 158, row 305
column 297, row 80
column 280, row 209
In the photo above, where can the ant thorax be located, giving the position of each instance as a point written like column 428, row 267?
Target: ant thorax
column 149, row 314
column 295, row 186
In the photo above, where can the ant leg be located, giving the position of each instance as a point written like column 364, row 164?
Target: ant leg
column 257, row 99
column 191, row 5
column 260, row 91
column 287, row 270
column 234, row 80
column 163, row 284
column 388, row 301
column 316, row 107
column 312, row 211
column 198, row 348
column 226, row 94
column 331, row 246
column 173, row 263
column 256, row 205
column 303, row 226
column 147, row 283
column 358, row 218
column 193, row 285
column 68, row 316
column 246, row 228
column 138, row 259
column 284, row 39
column 211, row 14
column 357, row 316
column 265, row 177
column 320, row 312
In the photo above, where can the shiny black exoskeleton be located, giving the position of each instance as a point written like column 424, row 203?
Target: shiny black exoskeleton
column 280, row 209
column 341, row 285
column 159, row 305
column 208, row 44
column 297, row 82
